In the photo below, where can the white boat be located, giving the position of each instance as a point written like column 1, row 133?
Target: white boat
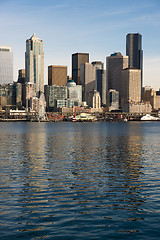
column 125, row 120
column 148, row 117
column 85, row 117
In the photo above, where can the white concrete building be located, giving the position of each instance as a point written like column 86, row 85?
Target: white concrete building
column 94, row 99
column 74, row 92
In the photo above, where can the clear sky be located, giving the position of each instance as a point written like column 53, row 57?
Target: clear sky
column 98, row 27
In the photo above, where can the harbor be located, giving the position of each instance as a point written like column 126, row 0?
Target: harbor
column 79, row 117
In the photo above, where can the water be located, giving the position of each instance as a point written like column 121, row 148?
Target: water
column 80, row 180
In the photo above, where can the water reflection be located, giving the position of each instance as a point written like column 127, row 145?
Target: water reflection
column 66, row 179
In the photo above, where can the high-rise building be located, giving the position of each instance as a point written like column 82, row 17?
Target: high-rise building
column 113, row 100
column 131, row 87
column 22, row 81
column 21, row 76
column 94, row 99
column 11, row 95
column 134, row 51
column 6, row 65
column 30, row 92
column 98, row 65
column 54, row 93
column 57, row 75
column 34, row 63
column 151, row 96
column 17, row 88
column 87, row 79
column 115, row 63
column 77, row 60
column 101, row 85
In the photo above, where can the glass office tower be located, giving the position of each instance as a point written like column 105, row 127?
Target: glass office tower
column 6, row 65
column 135, row 52
column 34, row 63
column 77, row 60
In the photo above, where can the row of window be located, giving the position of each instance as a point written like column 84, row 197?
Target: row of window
column 4, row 50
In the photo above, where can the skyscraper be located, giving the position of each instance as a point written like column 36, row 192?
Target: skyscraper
column 21, row 76
column 77, row 60
column 113, row 100
column 57, row 75
column 54, row 93
column 34, row 63
column 131, row 86
column 87, row 79
column 97, row 64
column 6, row 65
column 135, row 52
column 101, row 85
column 115, row 63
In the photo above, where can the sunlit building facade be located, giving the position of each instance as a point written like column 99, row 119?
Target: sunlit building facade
column 135, row 52
column 34, row 63
column 57, row 75
column 6, row 65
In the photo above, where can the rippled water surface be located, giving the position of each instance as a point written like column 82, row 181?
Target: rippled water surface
column 80, row 180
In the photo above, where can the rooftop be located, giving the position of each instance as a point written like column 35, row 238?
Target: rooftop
column 34, row 37
column 116, row 54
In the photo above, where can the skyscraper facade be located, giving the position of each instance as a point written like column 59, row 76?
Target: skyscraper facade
column 131, row 86
column 94, row 99
column 87, row 79
column 54, row 93
column 34, row 63
column 134, row 51
column 57, row 75
column 21, row 76
column 98, row 65
column 6, row 65
column 77, row 60
column 113, row 100
column 115, row 63
column 101, row 85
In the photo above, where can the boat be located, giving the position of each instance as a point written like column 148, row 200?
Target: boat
column 85, row 117
column 148, row 117
column 125, row 120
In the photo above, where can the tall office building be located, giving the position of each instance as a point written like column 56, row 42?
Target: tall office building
column 113, row 100
column 6, row 65
column 21, row 76
column 134, row 51
column 115, row 63
column 98, row 65
column 87, row 79
column 34, row 63
column 94, row 99
column 54, row 93
column 101, row 85
column 131, row 86
column 77, row 60
column 57, row 75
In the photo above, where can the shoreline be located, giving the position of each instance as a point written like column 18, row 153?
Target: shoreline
column 54, row 121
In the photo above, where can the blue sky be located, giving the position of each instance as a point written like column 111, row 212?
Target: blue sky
column 98, row 27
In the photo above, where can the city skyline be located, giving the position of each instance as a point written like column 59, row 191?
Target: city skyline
column 96, row 27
